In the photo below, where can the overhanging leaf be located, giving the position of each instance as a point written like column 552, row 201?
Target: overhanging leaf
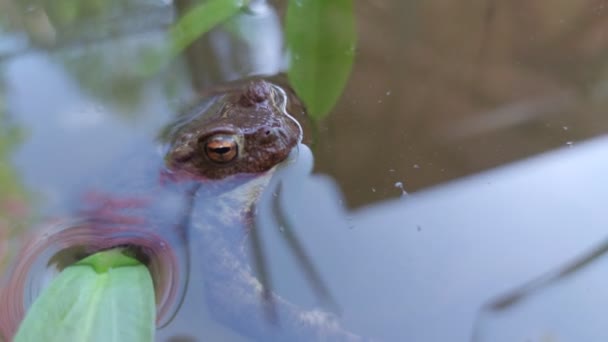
column 199, row 20
column 105, row 297
column 321, row 37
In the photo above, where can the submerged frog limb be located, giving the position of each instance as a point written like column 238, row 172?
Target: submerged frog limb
column 238, row 302
column 234, row 296
column 237, row 299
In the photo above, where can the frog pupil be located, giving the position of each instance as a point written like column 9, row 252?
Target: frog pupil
column 221, row 150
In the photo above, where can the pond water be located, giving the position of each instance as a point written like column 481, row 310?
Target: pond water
column 411, row 239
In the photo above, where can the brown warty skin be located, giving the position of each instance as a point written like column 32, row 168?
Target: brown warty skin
column 246, row 130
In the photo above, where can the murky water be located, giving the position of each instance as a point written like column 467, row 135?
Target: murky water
column 438, row 91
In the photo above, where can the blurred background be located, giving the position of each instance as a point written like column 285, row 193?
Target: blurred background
column 442, row 89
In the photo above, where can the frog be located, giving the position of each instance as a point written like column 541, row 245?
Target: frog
column 194, row 212
column 246, row 132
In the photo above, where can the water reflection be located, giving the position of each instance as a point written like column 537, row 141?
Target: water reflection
column 566, row 304
column 70, row 145
column 66, row 23
column 249, row 43
column 56, row 245
column 14, row 211
column 128, row 198
column 421, row 268
column 495, row 82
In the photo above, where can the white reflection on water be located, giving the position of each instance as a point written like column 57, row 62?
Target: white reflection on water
column 62, row 148
column 421, row 269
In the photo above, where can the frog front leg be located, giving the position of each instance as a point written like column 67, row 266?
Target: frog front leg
column 237, row 299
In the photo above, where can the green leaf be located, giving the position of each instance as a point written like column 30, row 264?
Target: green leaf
column 199, row 20
column 105, row 297
column 321, row 37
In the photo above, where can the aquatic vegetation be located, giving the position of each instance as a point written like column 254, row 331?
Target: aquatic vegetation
column 82, row 299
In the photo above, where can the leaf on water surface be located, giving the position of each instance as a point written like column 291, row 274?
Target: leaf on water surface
column 199, row 20
column 321, row 37
column 105, row 297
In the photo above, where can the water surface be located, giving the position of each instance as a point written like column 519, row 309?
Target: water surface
column 439, row 92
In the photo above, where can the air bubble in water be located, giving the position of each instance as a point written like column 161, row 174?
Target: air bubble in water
column 399, row 185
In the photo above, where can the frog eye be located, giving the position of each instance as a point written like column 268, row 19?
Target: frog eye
column 221, row 148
